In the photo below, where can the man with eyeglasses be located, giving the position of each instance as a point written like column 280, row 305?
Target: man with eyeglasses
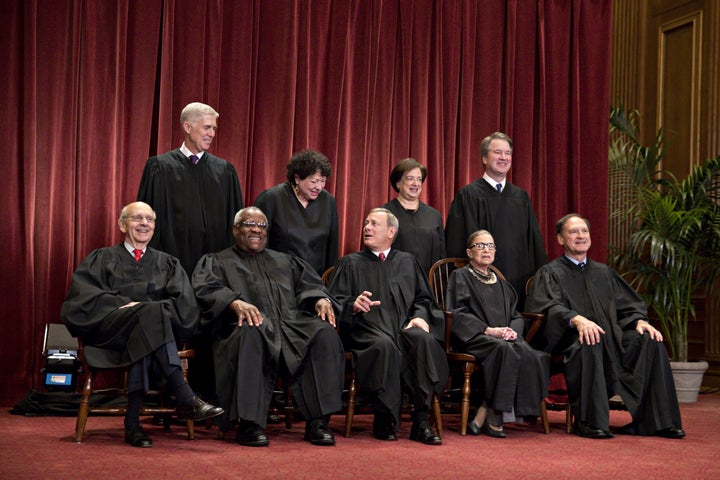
column 492, row 203
column 269, row 311
column 129, row 304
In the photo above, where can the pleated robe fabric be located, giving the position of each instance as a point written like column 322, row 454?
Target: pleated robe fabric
column 195, row 204
column 515, row 376
column 623, row 362
column 421, row 233
column 310, row 233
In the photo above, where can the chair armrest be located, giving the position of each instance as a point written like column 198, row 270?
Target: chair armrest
column 536, row 321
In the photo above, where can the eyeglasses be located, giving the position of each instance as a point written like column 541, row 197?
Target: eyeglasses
column 252, row 224
column 140, row 218
column 480, row 246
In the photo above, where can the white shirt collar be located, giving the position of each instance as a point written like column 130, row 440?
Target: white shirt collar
column 494, row 182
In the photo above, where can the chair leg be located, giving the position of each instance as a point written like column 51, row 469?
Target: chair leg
column 438, row 415
column 465, row 404
column 544, row 416
column 190, row 424
column 350, row 406
column 84, row 408
column 568, row 419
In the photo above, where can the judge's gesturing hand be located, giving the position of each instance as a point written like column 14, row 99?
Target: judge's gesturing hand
column 324, row 309
column 363, row 303
column 248, row 312
column 588, row 331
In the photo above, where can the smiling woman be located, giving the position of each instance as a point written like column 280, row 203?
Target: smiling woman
column 302, row 214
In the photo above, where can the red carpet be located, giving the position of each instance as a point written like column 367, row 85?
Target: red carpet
column 43, row 447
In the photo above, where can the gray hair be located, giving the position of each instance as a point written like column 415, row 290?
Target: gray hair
column 247, row 210
column 392, row 220
column 195, row 110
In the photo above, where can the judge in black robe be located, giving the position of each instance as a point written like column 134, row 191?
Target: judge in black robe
column 302, row 214
column 130, row 313
column 269, row 310
column 195, row 202
column 487, row 325
column 421, row 226
column 599, row 323
column 392, row 325
column 508, row 215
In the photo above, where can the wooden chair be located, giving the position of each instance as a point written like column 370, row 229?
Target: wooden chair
column 557, row 399
column 352, row 385
column 465, row 363
column 85, row 407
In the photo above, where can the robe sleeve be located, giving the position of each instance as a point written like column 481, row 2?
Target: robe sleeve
column 212, row 290
column 90, row 298
column 546, row 296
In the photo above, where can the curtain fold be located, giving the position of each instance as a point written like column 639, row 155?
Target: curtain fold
column 95, row 87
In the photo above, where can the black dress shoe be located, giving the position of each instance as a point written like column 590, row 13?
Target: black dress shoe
column 628, row 429
column 473, row 429
column 492, row 432
column 588, row 431
column 251, row 435
column 318, row 433
column 383, row 427
column 672, row 432
column 198, row 410
column 136, row 437
column 422, row 432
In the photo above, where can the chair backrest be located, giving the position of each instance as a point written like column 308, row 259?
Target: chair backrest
column 326, row 276
column 439, row 275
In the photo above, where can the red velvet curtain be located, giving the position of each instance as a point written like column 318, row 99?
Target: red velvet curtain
column 94, row 87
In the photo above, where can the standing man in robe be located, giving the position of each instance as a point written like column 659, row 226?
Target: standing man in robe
column 128, row 304
column 196, row 195
column 269, row 310
column 393, row 327
column 492, row 203
column 598, row 322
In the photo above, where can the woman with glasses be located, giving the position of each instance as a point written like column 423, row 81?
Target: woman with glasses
column 302, row 215
column 487, row 325
column 421, row 226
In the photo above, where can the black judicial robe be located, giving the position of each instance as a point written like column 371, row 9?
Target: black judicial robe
column 401, row 286
column 421, row 233
column 110, row 278
column 636, row 367
column 310, row 233
column 285, row 289
column 515, row 376
column 510, row 218
column 195, row 204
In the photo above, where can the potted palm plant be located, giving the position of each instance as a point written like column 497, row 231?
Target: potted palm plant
column 672, row 250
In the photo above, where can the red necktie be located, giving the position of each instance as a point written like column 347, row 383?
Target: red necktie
column 138, row 254
column 382, row 256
